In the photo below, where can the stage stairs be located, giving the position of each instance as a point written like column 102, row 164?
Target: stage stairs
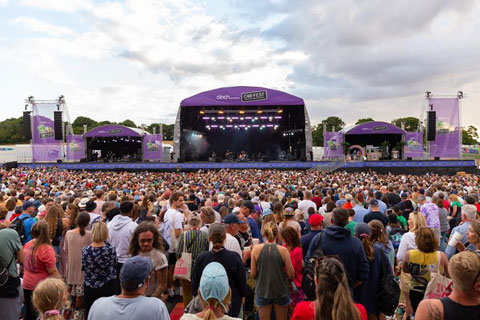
column 330, row 166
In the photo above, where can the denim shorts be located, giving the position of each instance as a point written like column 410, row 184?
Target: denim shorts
column 262, row 302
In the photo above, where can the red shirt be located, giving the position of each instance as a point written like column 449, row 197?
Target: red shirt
column 14, row 216
column 35, row 268
column 318, row 201
column 296, row 255
column 446, row 205
column 306, row 311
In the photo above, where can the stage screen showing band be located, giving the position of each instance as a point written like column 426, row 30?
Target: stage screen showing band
column 243, row 133
column 114, row 149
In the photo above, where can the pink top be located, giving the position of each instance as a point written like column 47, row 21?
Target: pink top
column 35, row 267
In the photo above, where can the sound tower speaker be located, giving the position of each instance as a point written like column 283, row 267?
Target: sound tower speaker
column 27, row 126
column 409, row 158
column 266, row 159
column 11, row 165
column 58, row 124
column 431, row 125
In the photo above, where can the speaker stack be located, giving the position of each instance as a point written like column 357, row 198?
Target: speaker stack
column 58, row 125
column 431, row 125
column 27, row 125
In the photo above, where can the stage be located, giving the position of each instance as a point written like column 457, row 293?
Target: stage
column 449, row 167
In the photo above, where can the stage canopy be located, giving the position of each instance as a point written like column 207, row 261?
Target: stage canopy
column 113, row 130
column 252, row 119
column 375, row 127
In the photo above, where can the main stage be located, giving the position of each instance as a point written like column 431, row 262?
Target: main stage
column 448, row 167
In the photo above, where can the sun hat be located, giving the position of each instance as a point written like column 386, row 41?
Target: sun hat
column 214, row 283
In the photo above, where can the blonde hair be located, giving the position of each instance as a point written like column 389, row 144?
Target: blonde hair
column 53, row 214
column 463, row 268
column 99, row 232
column 212, row 303
column 270, row 230
column 418, row 221
column 49, row 296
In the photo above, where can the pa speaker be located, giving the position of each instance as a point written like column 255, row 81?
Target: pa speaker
column 437, row 158
column 409, row 158
column 266, row 159
column 27, row 126
column 431, row 125
column 58, row 124
column 10, row 165
column 59, row 161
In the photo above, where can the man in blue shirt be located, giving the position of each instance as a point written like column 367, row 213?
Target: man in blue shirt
column 247, row 209
column 469, row 213
column 382, row 206
column 360, row 211
column 28, row 208
column 315, row 222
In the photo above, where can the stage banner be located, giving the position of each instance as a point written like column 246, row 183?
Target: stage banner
column 413, row 145
column 447, row 140
column 332, row 145
column 44, row 146
column 152, row 147
column 75, row 148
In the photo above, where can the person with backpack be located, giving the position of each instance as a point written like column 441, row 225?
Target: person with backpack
column 395, row 231
column 380, row 240
column 23, row 224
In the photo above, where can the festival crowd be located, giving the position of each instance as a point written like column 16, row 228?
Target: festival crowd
column 238, row 244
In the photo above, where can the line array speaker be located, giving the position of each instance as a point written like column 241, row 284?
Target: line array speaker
column 58, row 124
column 431, row 125
column 27, row 126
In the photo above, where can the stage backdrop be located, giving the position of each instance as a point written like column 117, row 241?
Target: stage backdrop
column 152, row 147
column 44, row 146
column 413, row 145
column 448, row 135
column 75, row 148
column 333, row 144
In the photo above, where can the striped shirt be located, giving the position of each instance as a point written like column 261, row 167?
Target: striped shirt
column 196, row 243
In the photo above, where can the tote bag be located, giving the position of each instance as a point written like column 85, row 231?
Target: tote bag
column 438, row 283
column 183, row 266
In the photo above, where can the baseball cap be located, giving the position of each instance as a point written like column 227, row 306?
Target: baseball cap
column 90, row 206
column 214, row 283
column 374, row 202
column 27, row 204
column 249, row 204
column 361, row 229
column 404, row 195
column 266, row 212
column 378, row 195
column 135, row 272
column 232, row 218
column 216, row 228
column 289, row 212
column 315, row 220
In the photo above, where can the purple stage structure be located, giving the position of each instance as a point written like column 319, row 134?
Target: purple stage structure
column 152, row 147
column 447, row 142
column 44, row 146
column 333, row 145
column 75, row 148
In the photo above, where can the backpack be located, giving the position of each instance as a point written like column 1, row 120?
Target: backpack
column 396, row 236
column 17, row 225
column 308, row 273
column 387, row 298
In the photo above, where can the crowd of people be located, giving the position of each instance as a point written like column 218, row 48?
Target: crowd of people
column 238, row 244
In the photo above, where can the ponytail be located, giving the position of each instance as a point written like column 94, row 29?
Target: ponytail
column 368, row 247
column 270, row 230
column 210, row 314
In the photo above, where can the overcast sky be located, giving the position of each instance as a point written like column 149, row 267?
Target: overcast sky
column 138, row 59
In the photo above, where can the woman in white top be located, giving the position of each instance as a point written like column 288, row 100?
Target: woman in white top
column 416, row 220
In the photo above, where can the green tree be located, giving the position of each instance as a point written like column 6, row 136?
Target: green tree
column 469, row 136
column 363, row 120
column 12, row 131
column 79, row 122
column 101, row 123
column 411, row 123
column 317, row 130
column 167, row 130
column 128, row 123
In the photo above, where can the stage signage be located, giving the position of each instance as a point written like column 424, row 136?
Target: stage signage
column 413, row 145
column 44, row 146
column 332, row 145
column 254, row 96
column 152, row 147
column 380, row 128
column 75, row 148
column 115, row 131
column 447, row 140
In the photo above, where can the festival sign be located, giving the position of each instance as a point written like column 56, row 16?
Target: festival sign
column 448, row 134
column 413, row 145
column 332, row 145
column 152, row 147
column 75, row 148
column 44, row 146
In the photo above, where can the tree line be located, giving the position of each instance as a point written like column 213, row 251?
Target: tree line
column 11, row 129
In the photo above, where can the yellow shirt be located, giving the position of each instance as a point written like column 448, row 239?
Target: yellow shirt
column 420, row 265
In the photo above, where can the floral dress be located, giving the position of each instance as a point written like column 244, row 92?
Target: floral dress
column 99, row 265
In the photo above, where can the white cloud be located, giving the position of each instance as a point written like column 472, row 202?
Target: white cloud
column 35, row 25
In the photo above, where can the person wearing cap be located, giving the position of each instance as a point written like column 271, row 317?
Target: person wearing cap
column 232, row 226
column 381, row 206
column 90, row 207
column 214, row 294
column 289, row 221
column 375, row 213
column 131, row 304
column 230, row 260
column 28, row 208
column 247, row 208
column 315, row 222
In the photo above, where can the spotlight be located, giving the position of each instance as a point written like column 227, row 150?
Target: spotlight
column 280, row 111
column 30, row 98
column 220, row 111
column 206, row 118
column 202, row 112
column 260, row 111
column 460, row 94
column 241, row 111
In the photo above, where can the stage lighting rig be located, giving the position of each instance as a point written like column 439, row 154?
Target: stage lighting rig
column 428, row 94
column 460, row 94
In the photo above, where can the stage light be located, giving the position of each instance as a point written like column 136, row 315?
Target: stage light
column 241, row 112
column 230, row 120
column 221, row 118
column 208, row 127
column 256, row 118
column 263, row 118
column 220, row 111
column 202, row 112
column 228, row 126
column 261, row 128
column 236, row 126
column 206, row 118
column 241, row 118
column 255, row 126
column 214, row 126
column 278, row 117
column 200, row 136
column 235, row 118
column 280, row 111
column 242, row 126
column 253, row 120
column 460, row 94
column 269, row 125
column 260, row 111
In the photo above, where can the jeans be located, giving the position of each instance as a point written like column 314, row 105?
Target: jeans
column 443, row 241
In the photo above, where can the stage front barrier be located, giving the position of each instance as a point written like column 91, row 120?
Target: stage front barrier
column 448, row 135
column 152, row 147
column 333, row 145
column 44, row 146
column 75, row 148
column 413, row 145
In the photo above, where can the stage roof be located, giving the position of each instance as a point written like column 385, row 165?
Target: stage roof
column 375, row 127
column 113, row 130
column 242, row 96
